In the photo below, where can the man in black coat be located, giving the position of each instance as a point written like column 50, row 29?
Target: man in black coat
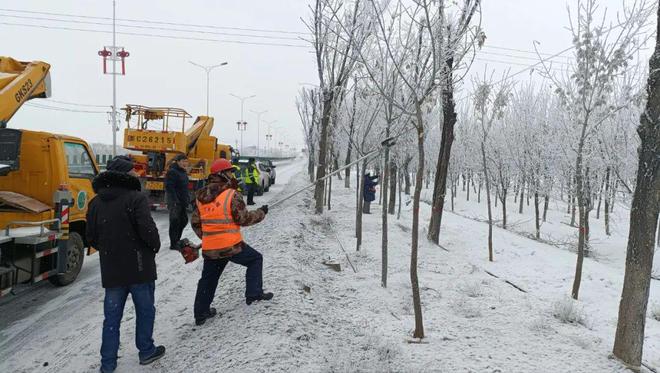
column 120, row 227
column 178, row 198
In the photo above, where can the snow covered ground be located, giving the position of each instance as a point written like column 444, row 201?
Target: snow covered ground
column 326, row 321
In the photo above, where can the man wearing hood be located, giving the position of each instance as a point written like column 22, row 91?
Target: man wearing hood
column 217, row 220
column 120, row 227
column 178, row 199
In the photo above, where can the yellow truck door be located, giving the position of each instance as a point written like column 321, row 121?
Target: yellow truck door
column 82, row 170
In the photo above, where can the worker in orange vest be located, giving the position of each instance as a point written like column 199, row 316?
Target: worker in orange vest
column 217, row 220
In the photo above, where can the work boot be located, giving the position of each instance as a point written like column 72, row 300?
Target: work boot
column 160, row 351
column 212, row 312
column 263, row 296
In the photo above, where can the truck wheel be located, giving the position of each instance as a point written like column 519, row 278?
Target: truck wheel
column 260, row 190
column 75, row 256
column 266, row 189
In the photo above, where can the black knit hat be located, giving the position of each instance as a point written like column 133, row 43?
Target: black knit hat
column 179, row 157
column 120, row 163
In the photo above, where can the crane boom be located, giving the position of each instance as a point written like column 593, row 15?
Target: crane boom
column 20, row 82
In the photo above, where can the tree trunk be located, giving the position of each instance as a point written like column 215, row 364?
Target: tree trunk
column 479, row 193
column 392, row 194
column 310, row 165
column 490, row 213
column 545, row 207
column 582, row 207
column 335, row 166
column 417, row 302
column 607, row 202
column 629, row 340
column 569, row 199
column 330, row 192
column 537, row 215
column 442, row 166
column 468, row 188
column 358, row 243
column 504, row 193
column 358, row 208
column 407, row 177
column 385, row 181
column 398, row 214
column 600, row 197
column 573, row 206
column 453, row 194
column 328, row 97
column 522, row 196
column 349, row 151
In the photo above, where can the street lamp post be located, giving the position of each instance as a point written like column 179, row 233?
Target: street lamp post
column 208, row 69
column 244, row 123
column 242, row 127
column 259, row 113
column 269, row 137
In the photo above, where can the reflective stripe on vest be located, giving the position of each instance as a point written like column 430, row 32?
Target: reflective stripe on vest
column 218, row 228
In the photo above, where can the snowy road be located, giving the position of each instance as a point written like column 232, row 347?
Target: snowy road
column 53, row 329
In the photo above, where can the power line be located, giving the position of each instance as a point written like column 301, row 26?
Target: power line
column 509, row 63
column 530, row 67
column 152, row 28
column 520, row 57
column 520, row 51
column 46, row 107
column 155, row 35
column 157, row 22
column 75, row 103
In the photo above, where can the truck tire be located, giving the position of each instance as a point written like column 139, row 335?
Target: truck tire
column 266, row 189
column 260, row 189
column 75, row 259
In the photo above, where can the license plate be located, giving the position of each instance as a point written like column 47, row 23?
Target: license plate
column 154, row 185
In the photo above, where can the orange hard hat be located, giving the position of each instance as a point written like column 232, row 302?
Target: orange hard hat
column 220, row 165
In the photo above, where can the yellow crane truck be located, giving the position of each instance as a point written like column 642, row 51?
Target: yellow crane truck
column 45, row 186
column 160, row 133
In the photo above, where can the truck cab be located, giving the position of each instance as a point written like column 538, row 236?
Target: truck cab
column 45, row 187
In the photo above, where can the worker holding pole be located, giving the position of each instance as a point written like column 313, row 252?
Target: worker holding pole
column 217, row 220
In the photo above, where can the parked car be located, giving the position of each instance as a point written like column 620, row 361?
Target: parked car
column 270, row 168
column 264, row 177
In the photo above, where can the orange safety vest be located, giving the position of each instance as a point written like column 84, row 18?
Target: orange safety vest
column 219, row 231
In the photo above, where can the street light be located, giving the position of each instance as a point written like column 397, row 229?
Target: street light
column 242, row 107
column 208, row 77
column 269, row 137
column 259, row 113
column 242, row 127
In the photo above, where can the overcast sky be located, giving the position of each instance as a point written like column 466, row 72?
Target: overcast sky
column 158, row 72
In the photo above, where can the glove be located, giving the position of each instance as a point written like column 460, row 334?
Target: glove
column 264, row 208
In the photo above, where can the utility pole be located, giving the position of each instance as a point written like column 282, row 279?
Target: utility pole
column 114, row 54
column 242, row 126
column 208, row 69
column 114, row 83
column 259, row 113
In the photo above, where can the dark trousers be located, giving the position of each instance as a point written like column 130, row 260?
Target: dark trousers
column 251, row 189
column 113, row 310
column 178, row 221
column 212, row 270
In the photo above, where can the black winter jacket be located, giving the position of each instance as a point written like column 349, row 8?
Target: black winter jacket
column 120, row 227
column 176, row 185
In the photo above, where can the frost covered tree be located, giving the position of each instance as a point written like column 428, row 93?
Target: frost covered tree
column 601, row 54
column 629, row 339
column 338, row 33
column 455, row 43
column 490, row 102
